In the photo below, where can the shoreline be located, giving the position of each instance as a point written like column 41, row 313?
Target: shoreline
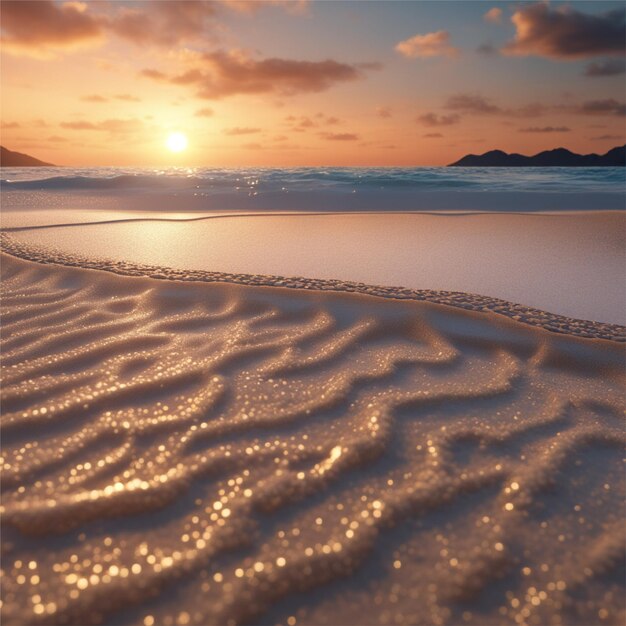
column 554, row 323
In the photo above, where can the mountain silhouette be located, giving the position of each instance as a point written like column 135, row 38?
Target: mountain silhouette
column 8, row 158
column 559, row 157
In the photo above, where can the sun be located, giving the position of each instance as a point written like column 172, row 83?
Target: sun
column 176, row 142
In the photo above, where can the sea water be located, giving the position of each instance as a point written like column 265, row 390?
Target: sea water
column 317, row 189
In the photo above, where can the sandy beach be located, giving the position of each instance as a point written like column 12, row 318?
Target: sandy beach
column 180, row 451
column 312, row 313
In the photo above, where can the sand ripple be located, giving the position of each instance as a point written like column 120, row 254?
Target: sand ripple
column 193, row 453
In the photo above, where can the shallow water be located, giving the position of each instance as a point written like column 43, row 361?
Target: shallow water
column 179, row 453
column 567, row 264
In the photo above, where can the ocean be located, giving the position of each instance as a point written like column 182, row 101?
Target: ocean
column 316, row 189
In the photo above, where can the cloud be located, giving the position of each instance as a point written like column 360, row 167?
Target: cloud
column 432, row 119
column 606, row 67
column 163, row 22
column 534, row 109
column 384, row 112
column 301, row 123
column 610, row 106
column 564, row 33
column 432, row 135
column 10, row 125
column 114, row 126
column 172, row 22
column 241, row 130
column 608, row 137
column 493, row 15
column 340, row 136
column 428, row 45
column 545, row 129
column 251, row 7
column 487, row 49
column 205, row 112
column 471, row 103
column 222, row 74
column 94, row 98
column 126, row 97
column 475, row 104
column 154, row 74
column 41, row 27
column 79, row 125
column 57, row 139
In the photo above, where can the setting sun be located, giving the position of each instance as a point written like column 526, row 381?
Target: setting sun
column 176, row 142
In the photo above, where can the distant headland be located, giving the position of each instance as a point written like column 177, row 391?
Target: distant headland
column 559, row 157
column 8, row 158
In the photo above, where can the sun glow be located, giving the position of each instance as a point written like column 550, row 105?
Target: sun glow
column 176, row 142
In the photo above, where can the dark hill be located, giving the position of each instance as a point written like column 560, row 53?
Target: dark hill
column 8, row 158
column 559, row 157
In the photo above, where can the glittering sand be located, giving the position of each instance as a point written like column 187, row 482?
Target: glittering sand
column 180, row 452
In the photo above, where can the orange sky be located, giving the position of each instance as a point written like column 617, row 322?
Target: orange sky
column 297, row 83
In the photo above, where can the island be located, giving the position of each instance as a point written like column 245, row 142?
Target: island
column 559, row 157
column 8, row 158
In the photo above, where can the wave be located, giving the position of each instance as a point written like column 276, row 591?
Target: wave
column 259, row 180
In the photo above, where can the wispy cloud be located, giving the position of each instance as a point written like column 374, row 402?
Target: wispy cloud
column 609, row 106
column 476, row 104
column 114, row 126
column 545, row 129
column 606, row 67
column 340, row 136
column 433, row 119
column 608, row 138
column 127, row 97
column 471, row 103
column 428, row 45
column 222, row 74
column 494, row 15
column 94, row 98
column 241, row 130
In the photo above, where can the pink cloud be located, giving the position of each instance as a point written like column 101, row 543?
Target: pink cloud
column 493, row 15
column 222, row 74
column 428, row 45
column 42, row 26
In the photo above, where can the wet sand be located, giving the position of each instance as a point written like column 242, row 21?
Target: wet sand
column 566, row 264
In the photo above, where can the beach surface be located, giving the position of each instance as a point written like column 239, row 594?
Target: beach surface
column 569, row 264
column 182, row 451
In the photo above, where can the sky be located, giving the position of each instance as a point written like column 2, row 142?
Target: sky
column 297, row 83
